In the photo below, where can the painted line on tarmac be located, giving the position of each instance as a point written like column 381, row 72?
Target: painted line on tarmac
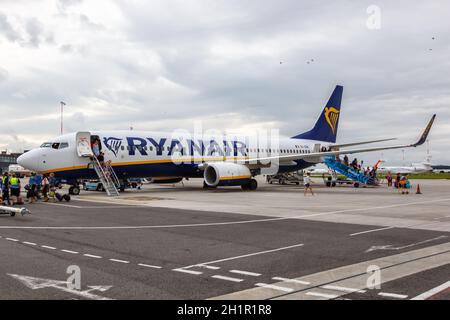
column 344, row 289
column 220, row 223
column 92, row 256
column 246, row 255
column 69, row 251
column 246, row 273
column 48, row 247
column 227, row 278
column 118, row 260
column 321, row 295
column 149, row 266
column 29, row 243
column 393, row 295
column 271, row 286
column 188, row 271
column 369, row 231
column 432, row 292
column 143, row 227
column 291, row 280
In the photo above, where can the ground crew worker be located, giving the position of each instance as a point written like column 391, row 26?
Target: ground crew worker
column 45, row 187
column 5, row 188
column 15, row 188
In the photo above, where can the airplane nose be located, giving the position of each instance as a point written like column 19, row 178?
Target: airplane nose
column 28, row 160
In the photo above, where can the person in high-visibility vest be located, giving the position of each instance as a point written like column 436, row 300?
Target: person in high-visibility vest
column 5, row 188
column 15, row 188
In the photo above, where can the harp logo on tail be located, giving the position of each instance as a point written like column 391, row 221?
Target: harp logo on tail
column 113, row 144
column 332, row 117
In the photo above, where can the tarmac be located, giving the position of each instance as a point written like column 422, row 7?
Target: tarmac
column 183, row 242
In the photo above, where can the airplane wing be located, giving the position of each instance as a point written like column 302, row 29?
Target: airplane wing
column 318, row 155
column 335, row 146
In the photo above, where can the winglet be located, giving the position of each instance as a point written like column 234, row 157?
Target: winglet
column 425, row 133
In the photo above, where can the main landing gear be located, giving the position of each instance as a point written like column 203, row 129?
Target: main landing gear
column 252, row 184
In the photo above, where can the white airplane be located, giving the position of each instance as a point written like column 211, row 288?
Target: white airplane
column 419, row 167
column 220, row 161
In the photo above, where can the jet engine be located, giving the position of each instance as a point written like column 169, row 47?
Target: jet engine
column 227, row 174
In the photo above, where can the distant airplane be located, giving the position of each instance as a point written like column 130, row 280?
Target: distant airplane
column 230, row 160
column 420, row 167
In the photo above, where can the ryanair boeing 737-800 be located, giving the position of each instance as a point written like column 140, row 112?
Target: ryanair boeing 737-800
column 226, row 160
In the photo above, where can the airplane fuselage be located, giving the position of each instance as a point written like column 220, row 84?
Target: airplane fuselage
column 156, row 154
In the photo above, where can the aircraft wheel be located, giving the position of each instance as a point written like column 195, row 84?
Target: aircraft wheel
column 356, row 185
column 12, row 214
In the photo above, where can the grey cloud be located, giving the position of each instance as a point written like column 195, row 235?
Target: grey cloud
column 169, row 63
column 7, row 30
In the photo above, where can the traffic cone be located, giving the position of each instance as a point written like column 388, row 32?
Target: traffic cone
column 418, row 189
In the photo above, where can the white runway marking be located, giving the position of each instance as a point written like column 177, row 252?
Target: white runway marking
column 69, row 251
column 92, row 256
column 146, row 227
column 29, row 243
column 247, row 255
column 208, row 267
column 49, row 247
column 390, row 247
column 62, row 205
column 222, row 223
column 393, row 295
column 120, row 261
column 187, row 271
column 291, row 280
column 227, row 278
column 369, row 231
column 271, row 286
column 344, row 289
column 40, row 283
column 12, row 239
column 246, row 273
column 321, row 295
column 432, row 292
column 149, row 266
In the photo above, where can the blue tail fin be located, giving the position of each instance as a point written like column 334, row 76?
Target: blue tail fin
column 326, row 126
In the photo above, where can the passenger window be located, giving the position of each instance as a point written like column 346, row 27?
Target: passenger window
column 151, row 148
column 122, row 147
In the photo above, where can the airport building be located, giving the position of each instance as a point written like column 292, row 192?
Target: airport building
column 6, row 159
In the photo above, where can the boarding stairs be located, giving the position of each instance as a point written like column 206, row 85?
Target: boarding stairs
column 107, row 177
column 347, row 171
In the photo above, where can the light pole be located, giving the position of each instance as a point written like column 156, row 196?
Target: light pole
column 62, row 103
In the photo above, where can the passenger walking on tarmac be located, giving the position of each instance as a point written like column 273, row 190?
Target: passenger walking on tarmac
column 52, row 187
column 389, row 179
column 38, row 183
column 307, row 184
column 404, row 185
column 15, row 189
column 5, row 189
column 32, row 187
column 397, row 181
column 45, row 187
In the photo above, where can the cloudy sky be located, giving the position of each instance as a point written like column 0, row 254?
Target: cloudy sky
column 165, row 65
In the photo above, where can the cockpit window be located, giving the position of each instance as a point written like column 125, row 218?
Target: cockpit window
column 55, row 145
column 46, row 145
column 63, row 145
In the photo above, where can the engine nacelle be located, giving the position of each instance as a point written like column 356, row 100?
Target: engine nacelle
column 226, row 174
